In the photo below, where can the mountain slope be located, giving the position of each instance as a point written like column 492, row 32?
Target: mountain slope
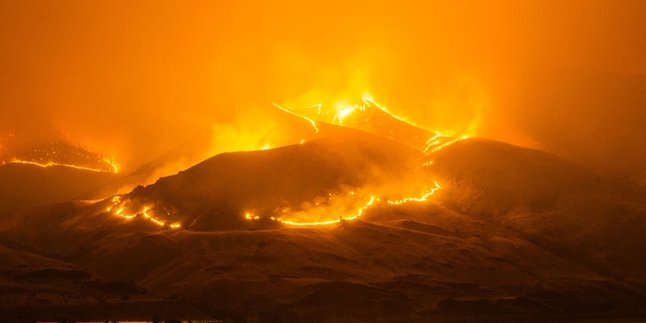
column 513, row 234
column 215, row 193
column 25, row 185
column 549, row 200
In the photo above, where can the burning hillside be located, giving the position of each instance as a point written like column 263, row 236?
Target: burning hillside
column 323, row 181
column 318, row 181
column 297, row 228
column 371, row 117
column 35, row 172
column 322, row 161
column 22, row 149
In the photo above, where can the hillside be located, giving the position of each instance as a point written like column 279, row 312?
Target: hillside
column 502, row 240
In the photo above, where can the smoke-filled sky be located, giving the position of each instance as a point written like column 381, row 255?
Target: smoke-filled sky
column 135, row 78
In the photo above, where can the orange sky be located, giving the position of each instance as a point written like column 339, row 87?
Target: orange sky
column 135, row 78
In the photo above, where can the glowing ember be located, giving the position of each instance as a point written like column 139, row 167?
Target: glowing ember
column 369, row 100
column 22, row 149
column 434, row 142
column 113, row 165
column 436, row 148
column 423, row 198
column 343, row 111
column 372, row 201
column 119, row 209
column 311, row 121
column 427, row 163
column 359, row 212
column 354, row 115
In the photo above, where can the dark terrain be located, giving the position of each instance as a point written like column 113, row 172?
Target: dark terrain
column 514, row 234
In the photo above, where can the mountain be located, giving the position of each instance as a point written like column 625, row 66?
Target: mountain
column 23, row 148
column 512, row 234
column 215, row 193
column 26, row 185
column 269, row 128
column 551, row 202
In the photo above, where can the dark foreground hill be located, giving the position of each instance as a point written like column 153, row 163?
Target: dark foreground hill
column 25, row 185
column 551, row 202
column 513, row 234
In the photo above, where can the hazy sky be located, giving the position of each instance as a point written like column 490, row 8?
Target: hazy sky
column 133, row 78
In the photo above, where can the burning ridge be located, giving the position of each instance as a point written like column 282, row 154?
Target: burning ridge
column 356, row 159
column 22, row 150
column 320, row 182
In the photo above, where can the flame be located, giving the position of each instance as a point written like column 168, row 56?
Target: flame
column 114, row 167
column 434, row 141
column 310, row 120
column 144, row 213
column 427, row 163
column 343, row 113
column 369, row 100
column 360, row 211
column 113, row 164
column 423, row 198
column 448, row 143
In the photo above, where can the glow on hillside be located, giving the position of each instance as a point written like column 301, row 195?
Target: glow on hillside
column 369, row 100
column 114, row 168
column 333, row 218
column 448, row 143
column 355, row 115
column 422, row 198
column 348, row 217
column 119, row 209
column 311, row 121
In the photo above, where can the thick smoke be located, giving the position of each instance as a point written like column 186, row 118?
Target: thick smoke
column 135, row 79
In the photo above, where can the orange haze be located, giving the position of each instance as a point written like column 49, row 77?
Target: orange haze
column 136, row 78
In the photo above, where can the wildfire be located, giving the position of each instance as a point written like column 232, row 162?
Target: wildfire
column 311, row 121
column 369, row 100
column 358, row 212
column 437, row 142
column 423, row 198
column 427, row 163
column 114, row 167
column 434, row 142
column 344, row 113
column 448, row 143
column 334, row 208
column 118, row 209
